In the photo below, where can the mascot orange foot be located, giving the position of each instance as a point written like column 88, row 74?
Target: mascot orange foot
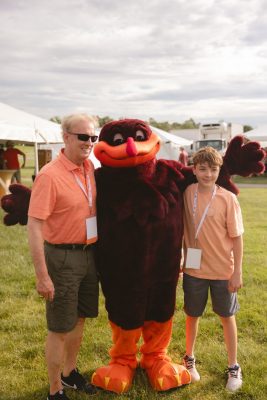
column 162, row 373
column 114, row 378
column 165, row 375
column 118, row 375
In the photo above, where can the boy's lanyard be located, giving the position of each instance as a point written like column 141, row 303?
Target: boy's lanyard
column 88, row 195
column 197, row 229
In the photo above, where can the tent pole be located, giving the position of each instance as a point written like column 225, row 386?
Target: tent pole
column 36, row 170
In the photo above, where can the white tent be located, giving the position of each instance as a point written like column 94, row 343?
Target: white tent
column 259, row 134
column 170, row 144
column 18, row 134
column 23, row 127
column 169, row 137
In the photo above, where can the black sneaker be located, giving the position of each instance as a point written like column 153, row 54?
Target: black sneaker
column 77, row 382
column 58, row 396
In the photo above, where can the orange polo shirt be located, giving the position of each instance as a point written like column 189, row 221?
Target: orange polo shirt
column 222, row 223
column 58, row 200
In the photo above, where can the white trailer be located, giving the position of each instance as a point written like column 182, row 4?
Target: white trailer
column 217, row 135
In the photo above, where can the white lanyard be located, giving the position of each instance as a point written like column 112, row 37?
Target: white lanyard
column 205, row 211
column 89, row 196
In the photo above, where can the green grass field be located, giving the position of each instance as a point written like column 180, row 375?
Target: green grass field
column 22, row 329
column 255, row 180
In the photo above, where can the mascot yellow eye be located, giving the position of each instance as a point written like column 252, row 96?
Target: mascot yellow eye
column 118, row 139
column 140, row 136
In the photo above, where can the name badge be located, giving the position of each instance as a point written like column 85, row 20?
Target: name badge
column 193, row 258
column 91, row 230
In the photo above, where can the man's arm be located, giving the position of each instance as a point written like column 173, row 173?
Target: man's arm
column 44, row 284
column 236, row 280
column 24, row 159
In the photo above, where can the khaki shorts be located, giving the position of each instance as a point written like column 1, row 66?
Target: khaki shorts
column 196, row 291
column 76, row 285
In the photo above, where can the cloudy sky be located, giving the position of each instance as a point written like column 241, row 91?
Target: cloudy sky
column 169, row 60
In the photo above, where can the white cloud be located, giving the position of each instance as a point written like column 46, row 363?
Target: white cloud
column 167, row 60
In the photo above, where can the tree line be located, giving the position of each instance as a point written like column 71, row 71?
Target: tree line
column 165, row 125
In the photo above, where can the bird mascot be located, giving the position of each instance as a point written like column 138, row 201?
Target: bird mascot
column 140, row 229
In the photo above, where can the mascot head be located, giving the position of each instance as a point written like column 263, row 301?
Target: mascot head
column 126, row 143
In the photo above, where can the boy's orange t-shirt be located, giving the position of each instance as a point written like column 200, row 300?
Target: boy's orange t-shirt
column 58, row 200
column 222, row 223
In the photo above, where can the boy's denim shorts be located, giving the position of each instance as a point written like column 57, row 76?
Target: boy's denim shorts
column 196, row 290
column 76, row 285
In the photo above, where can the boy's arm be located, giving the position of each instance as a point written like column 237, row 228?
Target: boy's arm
column 236, row 282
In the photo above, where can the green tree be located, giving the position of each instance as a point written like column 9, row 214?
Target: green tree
column 56, row 119
column 104, row 120
column 176, row 125
column 247, row 128
column 165, row 126
column 189, row 124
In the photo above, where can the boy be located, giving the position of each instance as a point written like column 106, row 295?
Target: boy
column 213, row 247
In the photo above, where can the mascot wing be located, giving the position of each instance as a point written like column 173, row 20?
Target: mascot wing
column 16, row 205
column 240, row 159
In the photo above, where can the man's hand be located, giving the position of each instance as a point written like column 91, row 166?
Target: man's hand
column 45, row 288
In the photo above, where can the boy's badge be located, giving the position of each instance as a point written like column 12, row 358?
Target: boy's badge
column 193, row 258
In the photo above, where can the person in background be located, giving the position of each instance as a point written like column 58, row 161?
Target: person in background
column 2, row 160
column 62, row 232
column 11, row 157
column 183, row 156
column 213, row 259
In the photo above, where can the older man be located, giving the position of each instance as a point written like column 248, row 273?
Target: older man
column 61, row 231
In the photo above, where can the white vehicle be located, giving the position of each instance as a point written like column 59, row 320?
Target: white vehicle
column 216, row 135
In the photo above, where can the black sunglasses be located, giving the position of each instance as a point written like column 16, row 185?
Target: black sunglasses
column 84, row 137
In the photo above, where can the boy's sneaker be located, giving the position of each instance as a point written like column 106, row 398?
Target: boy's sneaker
column 77, row 382
column 190, row 365
column 234, row 381
column 58, row 396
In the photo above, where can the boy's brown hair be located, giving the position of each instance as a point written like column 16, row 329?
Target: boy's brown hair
column 208, row 155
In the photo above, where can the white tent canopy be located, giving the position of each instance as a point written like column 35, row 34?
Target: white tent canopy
column 169, row 137
column 18, row 134
column 259, row 134
column 23, row 127
column 170, row 144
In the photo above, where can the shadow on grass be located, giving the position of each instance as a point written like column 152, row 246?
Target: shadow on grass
column 39, row 394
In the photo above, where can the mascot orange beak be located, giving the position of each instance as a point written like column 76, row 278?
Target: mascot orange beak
column 129, row 154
